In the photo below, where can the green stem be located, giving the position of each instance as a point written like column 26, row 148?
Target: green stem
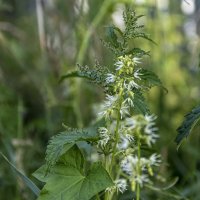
column 116, row 141
column 138, row 170
column 97, row 197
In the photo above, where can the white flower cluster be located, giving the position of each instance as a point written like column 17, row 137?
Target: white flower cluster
column 108, row 106
column 110, row 78
column 124, row 65
column 125, row 141
column 120, row 186
column 131, row 163
column 150, row 130
column 104, row 137
column 123, row 130
column 146, row 123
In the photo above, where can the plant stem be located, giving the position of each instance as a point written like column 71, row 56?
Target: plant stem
column 97, row 197
column 138, row 170
column 116, row 140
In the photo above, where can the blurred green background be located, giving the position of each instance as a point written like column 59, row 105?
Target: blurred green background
column 42, row 40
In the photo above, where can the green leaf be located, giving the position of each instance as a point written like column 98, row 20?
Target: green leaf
column 95, row 75
column 67, row 179
column 140, row 105
column 62, row 142
column 138, row 52
column 150, row 78
column 112, row 36
column 144, row 36
column 74, row 74
column 25, row 179
column 187, row 125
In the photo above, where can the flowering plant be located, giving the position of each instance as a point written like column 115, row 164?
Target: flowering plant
column 124, row 129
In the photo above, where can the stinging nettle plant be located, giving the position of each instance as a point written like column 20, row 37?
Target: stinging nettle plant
column 121, row 137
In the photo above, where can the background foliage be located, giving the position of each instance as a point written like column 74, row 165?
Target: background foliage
column 42, row 40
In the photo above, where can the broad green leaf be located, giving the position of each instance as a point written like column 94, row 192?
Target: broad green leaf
column 62, row 142
column 187, row 125
column 73, row 158
column 25, row 179
column 67, row 179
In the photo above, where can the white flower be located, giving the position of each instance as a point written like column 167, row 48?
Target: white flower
column 136, row 60
column 104, row 137
column 132, row 84
column 124, row 143
column 108, row 105
column 129, row 163
column 150, row 129
column 129, row 137
column 141, row 179
column 121, row 185
column 110, row 78
column 124, row 111
column 119, row 65
column 129, row 102
column 137, row 74
column 154, row 159
column 131, row 123
column 110, row 100
column 151, row 139
column 150, row 118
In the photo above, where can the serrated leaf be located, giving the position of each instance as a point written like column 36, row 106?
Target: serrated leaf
column 138, row 52
column 62, row 142
column 187, row 125
column 25, row 179
column 69, row 181
column 112, row 36
column 144, row 36
column 74, row 74
column 139, row 103
column 150, row 78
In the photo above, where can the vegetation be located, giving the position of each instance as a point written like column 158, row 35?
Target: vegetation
column 105, row 142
